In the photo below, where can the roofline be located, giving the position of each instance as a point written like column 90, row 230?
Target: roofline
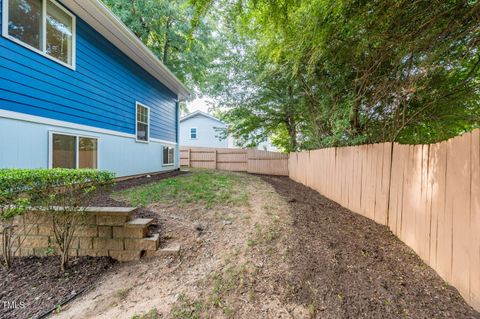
column 198, row 112
column 97, row 15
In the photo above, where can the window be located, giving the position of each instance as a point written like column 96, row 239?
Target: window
column 43, row 26
column 168, row 155
column 87, row 152
column 193, row 133
column 70, row 151
column 64, row 151
column 143, row 118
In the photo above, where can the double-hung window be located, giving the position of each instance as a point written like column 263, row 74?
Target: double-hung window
column 168, row 155
column 73, row 151
column 193, row 133
column 143, row 123
column 43, row 26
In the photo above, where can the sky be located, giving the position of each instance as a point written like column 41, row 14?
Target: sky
column 198, row 104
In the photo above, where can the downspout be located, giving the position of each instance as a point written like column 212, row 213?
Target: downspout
column 177, row 133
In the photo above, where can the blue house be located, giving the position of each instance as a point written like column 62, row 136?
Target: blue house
column 79, row 90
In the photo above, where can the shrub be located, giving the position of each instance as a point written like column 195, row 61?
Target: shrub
column 63, row 194
column 13, row 202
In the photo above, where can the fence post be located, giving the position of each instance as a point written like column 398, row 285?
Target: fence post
column 215, row 154
column 189, row 157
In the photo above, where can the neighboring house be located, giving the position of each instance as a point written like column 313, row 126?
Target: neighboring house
column 267, row 146
column 79, row 90
column 200, row 129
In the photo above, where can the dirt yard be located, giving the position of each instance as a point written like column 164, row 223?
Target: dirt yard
column 265, row 247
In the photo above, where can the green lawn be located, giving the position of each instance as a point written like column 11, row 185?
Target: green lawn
column 206, row 187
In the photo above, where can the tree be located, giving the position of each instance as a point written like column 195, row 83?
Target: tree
column 165, row 27
column 360, row 71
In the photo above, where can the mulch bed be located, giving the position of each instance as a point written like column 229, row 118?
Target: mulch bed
column 36, row 285
column 344, row 265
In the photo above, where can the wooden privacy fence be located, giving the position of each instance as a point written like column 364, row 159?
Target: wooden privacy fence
column 240, row 160
column 428, row 195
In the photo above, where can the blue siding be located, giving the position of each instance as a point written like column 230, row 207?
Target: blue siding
column 101, row 92
column 24, row 144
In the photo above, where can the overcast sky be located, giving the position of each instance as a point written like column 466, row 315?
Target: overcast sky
column 198, row 104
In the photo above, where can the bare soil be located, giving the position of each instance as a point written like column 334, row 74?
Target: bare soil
column 343, row 265
column 287, row 252
column 35, row 285
column 218, row 272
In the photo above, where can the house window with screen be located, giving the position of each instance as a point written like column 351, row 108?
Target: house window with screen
column 43, row 26
column 143, row 114
column 168, row 155
column 193, row 133
column 71, row 151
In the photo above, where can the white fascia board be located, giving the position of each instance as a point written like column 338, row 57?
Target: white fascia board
column 97, row 15
column 201, row 113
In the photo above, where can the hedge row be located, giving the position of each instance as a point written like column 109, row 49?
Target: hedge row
column 19, row 186
column 46, row 189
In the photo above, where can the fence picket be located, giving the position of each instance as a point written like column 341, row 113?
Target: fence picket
column 240, row 160
column 428, row 195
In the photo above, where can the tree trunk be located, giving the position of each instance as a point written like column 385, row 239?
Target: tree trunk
column 64, row 263
column 291, row 123
column 7, row 245
column 355, row 118
column 292, row 132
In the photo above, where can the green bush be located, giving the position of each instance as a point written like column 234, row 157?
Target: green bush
column 35, row 182
column 62, row 193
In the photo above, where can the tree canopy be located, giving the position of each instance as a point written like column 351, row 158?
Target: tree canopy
column 165, row 27
column 318, row 73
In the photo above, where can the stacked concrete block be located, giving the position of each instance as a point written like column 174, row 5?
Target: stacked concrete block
column 105, row 231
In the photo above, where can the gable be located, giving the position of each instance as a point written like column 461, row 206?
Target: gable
column 201, row 119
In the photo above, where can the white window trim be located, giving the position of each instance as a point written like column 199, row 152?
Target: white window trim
column 196, row 133
column 44, row 28
column 136, row 123
column 77, row 151
column 169, row 164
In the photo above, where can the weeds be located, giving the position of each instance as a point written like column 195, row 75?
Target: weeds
column 123, row 293
column 152, row 314
column 264, row 235
column 187, row 308
column 224, row 284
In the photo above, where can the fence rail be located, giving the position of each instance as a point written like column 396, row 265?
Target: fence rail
column 428, row 195
column 239, row 160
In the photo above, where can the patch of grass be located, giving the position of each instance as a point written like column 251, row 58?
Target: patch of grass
column 251, row 242
column 265, row 235
column 152, row 314
column 123, row 293
column 231, row 278
column 225, row 285
column 228, row 282
column 207, row 187
column 185, row 308
column 312, row 310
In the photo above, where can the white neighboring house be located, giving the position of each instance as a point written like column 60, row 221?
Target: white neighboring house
column 200, row 129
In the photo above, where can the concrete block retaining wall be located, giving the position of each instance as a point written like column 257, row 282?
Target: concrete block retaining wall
column 107, row 231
